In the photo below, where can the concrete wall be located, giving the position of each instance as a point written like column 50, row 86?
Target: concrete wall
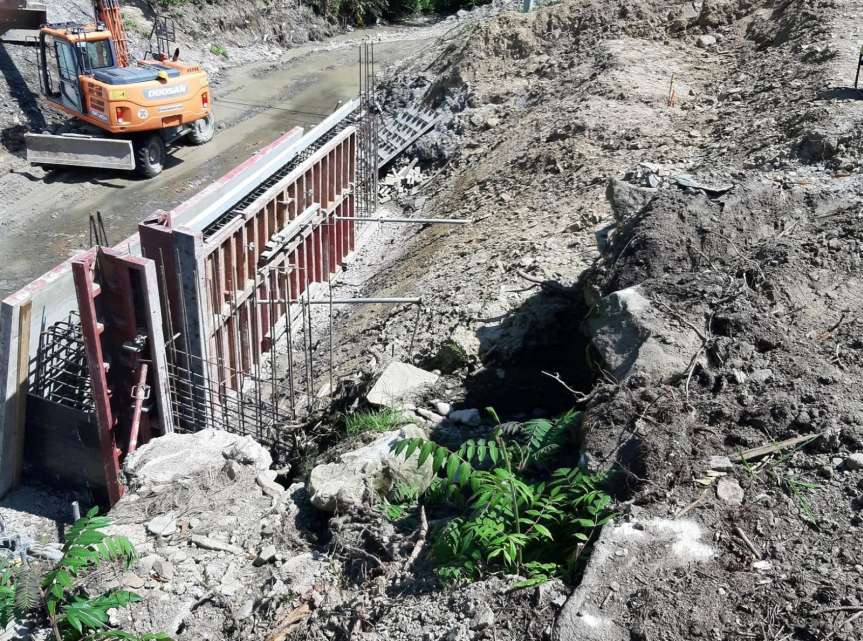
column 48, row 299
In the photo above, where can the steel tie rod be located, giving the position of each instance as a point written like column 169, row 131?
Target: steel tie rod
column 416, row 221
column 347, row 301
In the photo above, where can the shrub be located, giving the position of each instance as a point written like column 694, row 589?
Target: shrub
column 520, row 514
column 218, row 50
column 73, row 614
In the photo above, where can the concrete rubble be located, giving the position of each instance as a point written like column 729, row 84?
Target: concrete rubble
column 368, row 474
column 399, row 383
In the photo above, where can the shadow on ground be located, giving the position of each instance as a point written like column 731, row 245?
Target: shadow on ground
column 526, row 349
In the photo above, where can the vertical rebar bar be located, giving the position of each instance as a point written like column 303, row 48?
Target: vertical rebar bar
column 274, row 394
column 289, row 345
column 257, row 346
column 182, row 299
column 205, row 365
column 332, row 384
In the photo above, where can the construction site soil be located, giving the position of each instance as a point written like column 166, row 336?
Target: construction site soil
column 666, row 234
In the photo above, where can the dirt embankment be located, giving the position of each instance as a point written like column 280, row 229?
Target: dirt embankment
column 710, row 150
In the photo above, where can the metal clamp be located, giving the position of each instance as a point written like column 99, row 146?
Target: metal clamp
column 145, row 389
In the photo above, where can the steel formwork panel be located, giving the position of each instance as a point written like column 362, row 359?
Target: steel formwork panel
column 241, row 328
column 121, row 325
column 236, row 264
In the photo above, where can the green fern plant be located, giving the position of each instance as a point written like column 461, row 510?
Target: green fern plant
column 518, row 516
column 73, row 614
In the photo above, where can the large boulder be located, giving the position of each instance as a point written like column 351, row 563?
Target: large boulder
column 398, row 384
column 628, row 200
column 632, row 336
column 170, row 458
column 367, row 474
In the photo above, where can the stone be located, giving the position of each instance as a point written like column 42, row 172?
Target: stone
column 245, row 610
column 163, row 525
column 720, row 464
column 632, row 337
column 133, row 581
column 301, row 572
column 266, row 555
column 266, row 480
column 460, row 350
column 483, row 618
column 761, row 375
column 470, row 417
column 432, row 417
column 398, row 383
column 728, row 490
column 173, row 457
column 854, row 461
column 705, row 41
column 247, row 451
column 762, row 566
column 210, row 543
column 372, row 470
column 163, row 569
column 628, row 200
column 441, row 407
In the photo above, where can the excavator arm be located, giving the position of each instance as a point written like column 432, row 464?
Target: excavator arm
column 108, row 13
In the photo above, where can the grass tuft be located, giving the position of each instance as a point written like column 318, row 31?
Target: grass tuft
column 218, row 50
column 382, row 420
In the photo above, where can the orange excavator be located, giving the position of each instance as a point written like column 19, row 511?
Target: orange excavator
column 143, row 107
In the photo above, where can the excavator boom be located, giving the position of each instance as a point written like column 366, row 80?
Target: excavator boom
column 108, row 13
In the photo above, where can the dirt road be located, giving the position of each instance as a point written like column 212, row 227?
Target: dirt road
column 254, row 104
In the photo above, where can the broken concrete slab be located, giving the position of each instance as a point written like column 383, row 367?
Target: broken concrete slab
column 652, row 546
column 368, row 473
column 172, row 457
column 398, row 383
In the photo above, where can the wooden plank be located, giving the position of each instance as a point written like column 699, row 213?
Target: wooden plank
column 24, row 315
column 772, row 448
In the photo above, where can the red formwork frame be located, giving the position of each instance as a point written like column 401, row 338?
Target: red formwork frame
column 121, row 324
column 237, row 265
column 241, row 330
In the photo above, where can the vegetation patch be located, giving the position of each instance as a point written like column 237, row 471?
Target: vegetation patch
column 218, row 50
column 382, row 420
column 367, row 12
column 522, row 506
column 72, row 613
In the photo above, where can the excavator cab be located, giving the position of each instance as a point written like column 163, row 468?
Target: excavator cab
column 63, row 62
